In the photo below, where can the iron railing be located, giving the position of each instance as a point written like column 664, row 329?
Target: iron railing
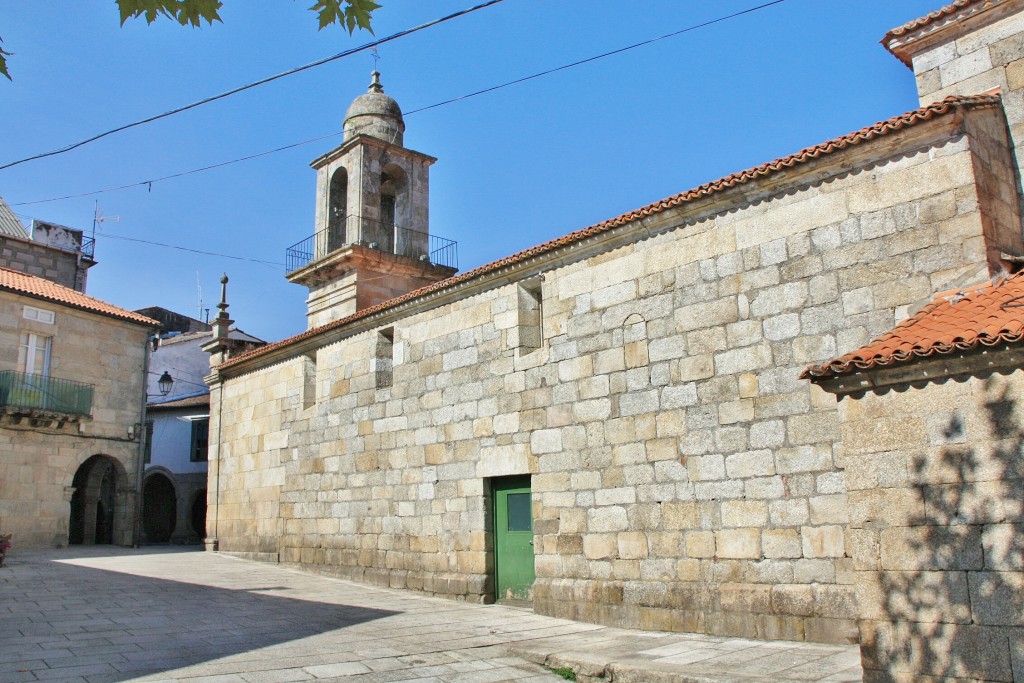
column 48, row 394
column 88, row 247
column 371, row 233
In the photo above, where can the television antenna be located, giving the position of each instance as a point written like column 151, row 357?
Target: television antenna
column 98, row 217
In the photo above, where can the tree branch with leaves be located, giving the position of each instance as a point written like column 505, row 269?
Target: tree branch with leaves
column 349, row 14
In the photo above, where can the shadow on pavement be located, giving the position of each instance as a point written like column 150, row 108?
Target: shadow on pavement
column 59, row 619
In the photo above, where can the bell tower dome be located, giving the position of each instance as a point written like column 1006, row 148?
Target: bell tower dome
column 375, row 114
column 372, row 239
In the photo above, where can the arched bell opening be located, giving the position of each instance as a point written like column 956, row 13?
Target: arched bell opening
column 337, row 211
column 393, row 209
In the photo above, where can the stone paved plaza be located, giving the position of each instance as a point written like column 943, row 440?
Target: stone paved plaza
column 111, row 614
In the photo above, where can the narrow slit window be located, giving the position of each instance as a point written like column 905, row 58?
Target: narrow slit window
column 531, row 315
column 384, row 358
column 148, row 448
column 308, row 381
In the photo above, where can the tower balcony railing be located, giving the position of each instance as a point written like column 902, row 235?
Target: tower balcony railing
column 23, row 392
column 373, row 234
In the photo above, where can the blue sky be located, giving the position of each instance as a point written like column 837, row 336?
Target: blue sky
column 516, row 167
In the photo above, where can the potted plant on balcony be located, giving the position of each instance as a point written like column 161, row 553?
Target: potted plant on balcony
column 5, row 543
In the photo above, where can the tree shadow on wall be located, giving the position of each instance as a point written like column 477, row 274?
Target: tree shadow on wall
column 950, row 603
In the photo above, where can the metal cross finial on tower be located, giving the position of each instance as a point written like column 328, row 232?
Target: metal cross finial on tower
column 376, row 57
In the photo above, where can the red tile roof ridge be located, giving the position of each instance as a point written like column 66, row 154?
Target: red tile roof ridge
column 35, row 286
column 805, row 155
column 186, row 402
column 963, row 319
column 931, row 18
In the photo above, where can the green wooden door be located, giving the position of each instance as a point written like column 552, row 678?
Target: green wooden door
column 513, row 538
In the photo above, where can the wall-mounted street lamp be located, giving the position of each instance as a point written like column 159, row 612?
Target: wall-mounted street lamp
column 166, row 383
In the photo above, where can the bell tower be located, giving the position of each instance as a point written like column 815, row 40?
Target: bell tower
column 372, row 240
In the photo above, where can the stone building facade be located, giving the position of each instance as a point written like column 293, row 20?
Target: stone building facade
column 71, row 400
column 640, row 381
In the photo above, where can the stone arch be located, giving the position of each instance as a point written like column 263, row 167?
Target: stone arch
column 159, row 506
column 634, row 342
column 337, row 209
column 102, row 503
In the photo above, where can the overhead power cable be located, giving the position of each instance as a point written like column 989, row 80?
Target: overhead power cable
column 597, row 57
column 194, row 251
column 149, row 183
column 460, row 98
column 248, row 86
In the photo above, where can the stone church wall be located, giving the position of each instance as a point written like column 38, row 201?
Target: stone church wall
column 684, row 477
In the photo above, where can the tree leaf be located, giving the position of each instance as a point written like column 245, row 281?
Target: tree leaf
column 355, row 14
column 3, row 61
column 358, row 13
column 148, row 9
column 329, row 12
column 185, row 12
column 194, row 12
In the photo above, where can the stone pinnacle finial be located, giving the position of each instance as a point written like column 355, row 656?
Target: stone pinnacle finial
column 375, row 85
column 223, row 305
column 222, row 323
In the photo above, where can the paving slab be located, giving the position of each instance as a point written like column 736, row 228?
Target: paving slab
column 102, row 614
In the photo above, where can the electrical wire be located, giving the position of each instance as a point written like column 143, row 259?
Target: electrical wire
column 248, row 86
column 149, row 183
column 597, row 57
column 194, row 251
column 412, row 112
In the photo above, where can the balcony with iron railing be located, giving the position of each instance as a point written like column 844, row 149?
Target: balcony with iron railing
column 21, row 393
column 370, row 233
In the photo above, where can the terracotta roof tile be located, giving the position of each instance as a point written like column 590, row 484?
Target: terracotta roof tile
column 42, row 288
column 933, row 17
column 959, row 320
column 866, row 134
column 188, row 402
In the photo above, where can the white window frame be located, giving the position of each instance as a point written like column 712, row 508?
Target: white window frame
column 28, row 349
column 39, row 315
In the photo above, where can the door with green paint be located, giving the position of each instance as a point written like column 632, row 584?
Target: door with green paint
column 513, row 537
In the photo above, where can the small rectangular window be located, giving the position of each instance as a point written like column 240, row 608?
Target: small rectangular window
column 384, row 358
column 38, row 314
column 200, row 439
column 520, row 513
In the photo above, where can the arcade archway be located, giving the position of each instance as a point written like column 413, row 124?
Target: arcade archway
column 159, row 509
column 99, row 508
